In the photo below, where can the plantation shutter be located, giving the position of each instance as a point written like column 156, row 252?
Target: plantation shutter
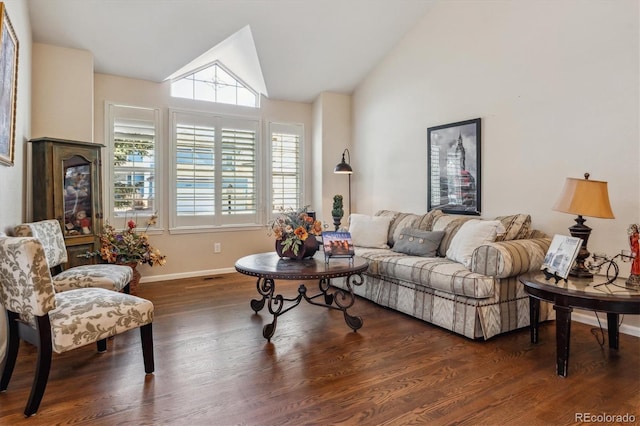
column 286, row 181
column 238, row 171
column 215, row 172
column 195, row 170
column 133, row 147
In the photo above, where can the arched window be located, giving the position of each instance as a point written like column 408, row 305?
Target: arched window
column 214, row 83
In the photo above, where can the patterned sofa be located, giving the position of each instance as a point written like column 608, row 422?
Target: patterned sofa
column 479, row 301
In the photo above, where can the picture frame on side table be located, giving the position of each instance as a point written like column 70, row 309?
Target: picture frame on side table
column 453, row 163
column 560, row 256
column 8, row 88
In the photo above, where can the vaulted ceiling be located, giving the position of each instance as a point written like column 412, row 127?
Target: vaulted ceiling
column 304, row 46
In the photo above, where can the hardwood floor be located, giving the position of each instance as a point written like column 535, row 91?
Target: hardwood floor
column 214, row 367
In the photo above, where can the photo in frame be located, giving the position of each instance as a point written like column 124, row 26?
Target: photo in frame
column 8, row 88
column 561, row 255
column 453, row 162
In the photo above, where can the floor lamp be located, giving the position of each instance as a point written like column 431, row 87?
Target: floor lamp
column 343, row 168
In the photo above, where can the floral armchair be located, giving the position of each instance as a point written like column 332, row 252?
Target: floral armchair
column 59, row 322
column 111, row 277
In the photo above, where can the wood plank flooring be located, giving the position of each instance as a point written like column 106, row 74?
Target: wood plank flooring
column 213, row 367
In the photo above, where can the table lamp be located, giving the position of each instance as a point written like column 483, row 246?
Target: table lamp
column 345, row 169
column 583, row 197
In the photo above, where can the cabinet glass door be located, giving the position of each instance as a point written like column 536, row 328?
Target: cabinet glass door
column 78, row 205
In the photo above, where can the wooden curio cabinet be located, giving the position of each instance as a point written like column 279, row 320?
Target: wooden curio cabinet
column 67, row 186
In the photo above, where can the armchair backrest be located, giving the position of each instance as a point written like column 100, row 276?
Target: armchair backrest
column 26, row 286
column 50, row 235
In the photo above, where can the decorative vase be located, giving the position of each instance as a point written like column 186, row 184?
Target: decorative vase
column 133, row 284
column 308, row 248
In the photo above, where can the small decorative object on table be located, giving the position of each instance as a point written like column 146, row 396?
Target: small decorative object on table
column 634, row 244
column 130, row 248
column 295, row 233
column 338, row 211
column 337, row 244
column 560, row 256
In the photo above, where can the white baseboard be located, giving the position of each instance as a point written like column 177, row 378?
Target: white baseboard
column 193, row 274
column 590, row 318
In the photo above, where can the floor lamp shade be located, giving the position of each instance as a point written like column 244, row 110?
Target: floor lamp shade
column 344, row 168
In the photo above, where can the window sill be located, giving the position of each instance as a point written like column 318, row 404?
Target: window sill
column 213, row 229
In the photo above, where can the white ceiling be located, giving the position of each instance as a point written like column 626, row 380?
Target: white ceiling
column 304, row 46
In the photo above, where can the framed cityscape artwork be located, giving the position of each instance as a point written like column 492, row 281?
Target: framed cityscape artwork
column 8, row 87
column 453, row 163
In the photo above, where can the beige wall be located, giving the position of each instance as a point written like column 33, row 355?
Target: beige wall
column 556, row 85
column 12, row 179
column 12, row 188
column 62, row 105
column 332, row 134
column 193, row 254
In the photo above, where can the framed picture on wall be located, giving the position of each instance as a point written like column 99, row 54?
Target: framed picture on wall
column 8, row 87
column 453, row 164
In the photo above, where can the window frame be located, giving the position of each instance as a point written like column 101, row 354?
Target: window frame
column 292, row 129
column 240, row 83
column 217, row 221
column 114, row 110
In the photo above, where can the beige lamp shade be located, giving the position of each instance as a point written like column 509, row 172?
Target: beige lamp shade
column 585, row 197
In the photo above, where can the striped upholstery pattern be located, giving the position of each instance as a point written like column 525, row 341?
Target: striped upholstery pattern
column 426, row 221
column 436, row 272
column 509, row 258
column 450, row 224
column 399, row 221
column 478, row 303
column 516, row 227
column 474, row 318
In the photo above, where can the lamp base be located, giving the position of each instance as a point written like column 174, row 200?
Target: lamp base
column 580, row 271
column 582, row 231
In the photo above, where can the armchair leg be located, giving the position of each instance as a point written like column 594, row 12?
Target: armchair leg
column 102, row 345
column 146, row 335
column 42, row 369
column 11, row 351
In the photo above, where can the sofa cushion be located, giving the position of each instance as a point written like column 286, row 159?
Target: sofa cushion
column 471, row 235
column 449, row 223
column 516, row 227
column 400, row 220
column 426, row 221
column 369, row 231
column 415, row 242
column 431, row 272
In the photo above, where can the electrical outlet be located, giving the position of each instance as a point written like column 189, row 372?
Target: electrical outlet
column 217, row 248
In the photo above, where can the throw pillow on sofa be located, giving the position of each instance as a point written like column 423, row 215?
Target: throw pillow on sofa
column 415, row 242
column 450, row 224
column 471, row 235
column 517, row 226
column 369, row 231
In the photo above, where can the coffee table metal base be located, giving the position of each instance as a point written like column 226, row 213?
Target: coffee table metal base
column 278, row 305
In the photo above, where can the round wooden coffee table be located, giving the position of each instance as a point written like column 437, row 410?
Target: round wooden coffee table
column 269, row 267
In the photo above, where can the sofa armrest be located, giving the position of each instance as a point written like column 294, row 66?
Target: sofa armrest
column 509, row 258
